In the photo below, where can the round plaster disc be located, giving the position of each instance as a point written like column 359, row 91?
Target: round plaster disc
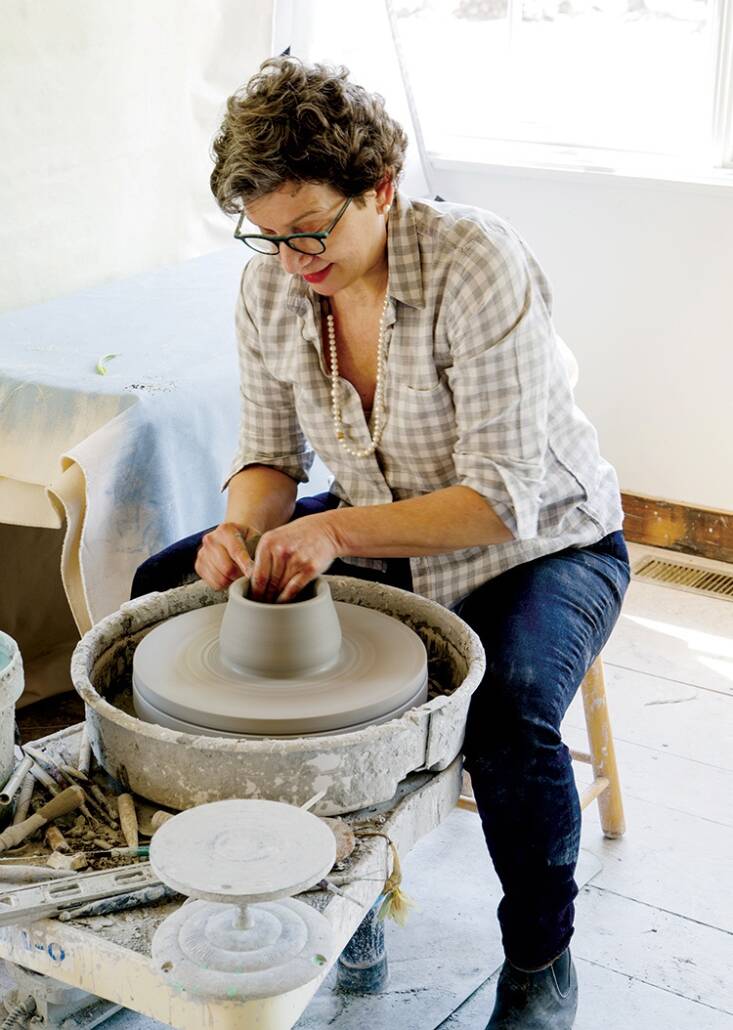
column 178, row 670
column 242, row 850
column 202, row 948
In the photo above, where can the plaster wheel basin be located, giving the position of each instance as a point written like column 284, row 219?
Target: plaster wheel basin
column 356, row 768
column 246, row 668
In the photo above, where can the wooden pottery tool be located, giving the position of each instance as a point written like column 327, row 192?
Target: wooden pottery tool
column 67, row 801
column 128, row 819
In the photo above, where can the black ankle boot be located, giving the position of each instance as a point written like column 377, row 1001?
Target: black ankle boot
column 545, row 1000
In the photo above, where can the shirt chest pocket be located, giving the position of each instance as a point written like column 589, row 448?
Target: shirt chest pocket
column 421, row 425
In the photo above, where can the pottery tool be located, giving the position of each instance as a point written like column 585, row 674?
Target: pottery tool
column 247, row 857
column 45, row 763
column 42, row 777
column 39, row 901
column 53, row 778
column 74, row 863
column 157, row 819
column 312, row 802
column 16, row 779
column 105, row 804
column 141, row 851
column 120, row 903
column 55, row 839
column 25, row 795
column 67, row 801
column 128, row 819
column 85, row 753
column 99, row 801
column 31, row 874
column 332, row 888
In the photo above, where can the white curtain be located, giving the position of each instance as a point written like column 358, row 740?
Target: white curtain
column 107, row 111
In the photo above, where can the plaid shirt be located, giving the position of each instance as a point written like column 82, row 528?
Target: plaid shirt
column 476, row 393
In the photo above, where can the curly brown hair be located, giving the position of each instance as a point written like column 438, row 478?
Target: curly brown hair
column 299, row 123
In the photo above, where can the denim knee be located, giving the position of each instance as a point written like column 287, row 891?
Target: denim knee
column 513, row 711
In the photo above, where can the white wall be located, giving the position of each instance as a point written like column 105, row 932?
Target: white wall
column 642, row 273
column 107, row 110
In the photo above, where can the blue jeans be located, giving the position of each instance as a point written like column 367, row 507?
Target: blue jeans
column 542, row 624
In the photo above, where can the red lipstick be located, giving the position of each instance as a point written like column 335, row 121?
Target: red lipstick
column 318, row 277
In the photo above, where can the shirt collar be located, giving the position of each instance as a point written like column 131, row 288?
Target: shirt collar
column 405, row 272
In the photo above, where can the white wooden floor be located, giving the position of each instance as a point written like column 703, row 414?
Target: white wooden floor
column 654, row 929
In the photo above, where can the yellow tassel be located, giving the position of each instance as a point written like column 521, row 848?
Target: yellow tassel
column 396, row 904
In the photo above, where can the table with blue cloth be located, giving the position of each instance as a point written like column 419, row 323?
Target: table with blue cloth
column 106, row 459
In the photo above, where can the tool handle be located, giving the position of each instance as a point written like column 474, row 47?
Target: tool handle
column 62, row 804
column 128, row 819
column 65, row 802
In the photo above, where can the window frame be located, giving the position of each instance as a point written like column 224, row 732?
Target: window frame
column 562, row 161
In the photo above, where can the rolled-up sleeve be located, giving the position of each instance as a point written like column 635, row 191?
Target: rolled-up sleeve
column 502, row 339
column 269, row 431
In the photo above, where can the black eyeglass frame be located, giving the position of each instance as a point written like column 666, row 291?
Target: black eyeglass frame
column 320, row 237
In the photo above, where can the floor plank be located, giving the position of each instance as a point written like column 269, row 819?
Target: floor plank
column 665, row 715
column 676, row 784
column 659, row 948
column 672, row 860
column 675, row 634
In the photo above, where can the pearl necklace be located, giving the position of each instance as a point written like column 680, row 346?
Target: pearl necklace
column 378, row 407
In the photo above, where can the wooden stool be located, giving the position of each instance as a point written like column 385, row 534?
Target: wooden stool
column 606, row 788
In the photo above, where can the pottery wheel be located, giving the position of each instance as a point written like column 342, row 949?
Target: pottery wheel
column 242, row 851
column 181, row 679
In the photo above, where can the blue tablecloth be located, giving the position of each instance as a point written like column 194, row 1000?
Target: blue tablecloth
column 131, row 460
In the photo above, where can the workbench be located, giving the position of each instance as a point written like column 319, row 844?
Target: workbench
column 109, row 956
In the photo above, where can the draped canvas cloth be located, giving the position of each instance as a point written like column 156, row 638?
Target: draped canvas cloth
column 131, row 460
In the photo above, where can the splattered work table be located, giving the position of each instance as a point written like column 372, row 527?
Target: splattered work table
column 109, row 956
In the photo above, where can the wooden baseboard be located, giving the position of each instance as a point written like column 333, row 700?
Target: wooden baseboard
column 678, row 527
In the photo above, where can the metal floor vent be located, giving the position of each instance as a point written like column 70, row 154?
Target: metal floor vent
column 684, row 576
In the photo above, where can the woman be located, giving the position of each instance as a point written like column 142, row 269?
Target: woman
column 411, row 346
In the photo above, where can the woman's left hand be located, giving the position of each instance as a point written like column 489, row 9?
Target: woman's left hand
column 290, row 557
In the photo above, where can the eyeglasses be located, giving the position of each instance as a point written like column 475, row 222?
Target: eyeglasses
column 302, row 242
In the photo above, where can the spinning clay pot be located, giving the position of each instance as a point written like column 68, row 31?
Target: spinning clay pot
column 280, row 640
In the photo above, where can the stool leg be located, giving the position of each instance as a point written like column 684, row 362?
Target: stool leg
column 602, row 752
column 362, row 965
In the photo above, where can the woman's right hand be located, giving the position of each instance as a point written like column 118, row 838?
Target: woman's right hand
column 223, row 555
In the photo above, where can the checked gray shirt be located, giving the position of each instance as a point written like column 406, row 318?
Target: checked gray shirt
column 476, row 393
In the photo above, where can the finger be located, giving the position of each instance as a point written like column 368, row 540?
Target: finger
column 277, row 575
column 260, row 574
column 294, row 586
column 237, row 549
column 215, row 565
column 210, row 575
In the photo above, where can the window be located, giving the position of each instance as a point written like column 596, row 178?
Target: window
column 578, row 83
column 628, row 75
